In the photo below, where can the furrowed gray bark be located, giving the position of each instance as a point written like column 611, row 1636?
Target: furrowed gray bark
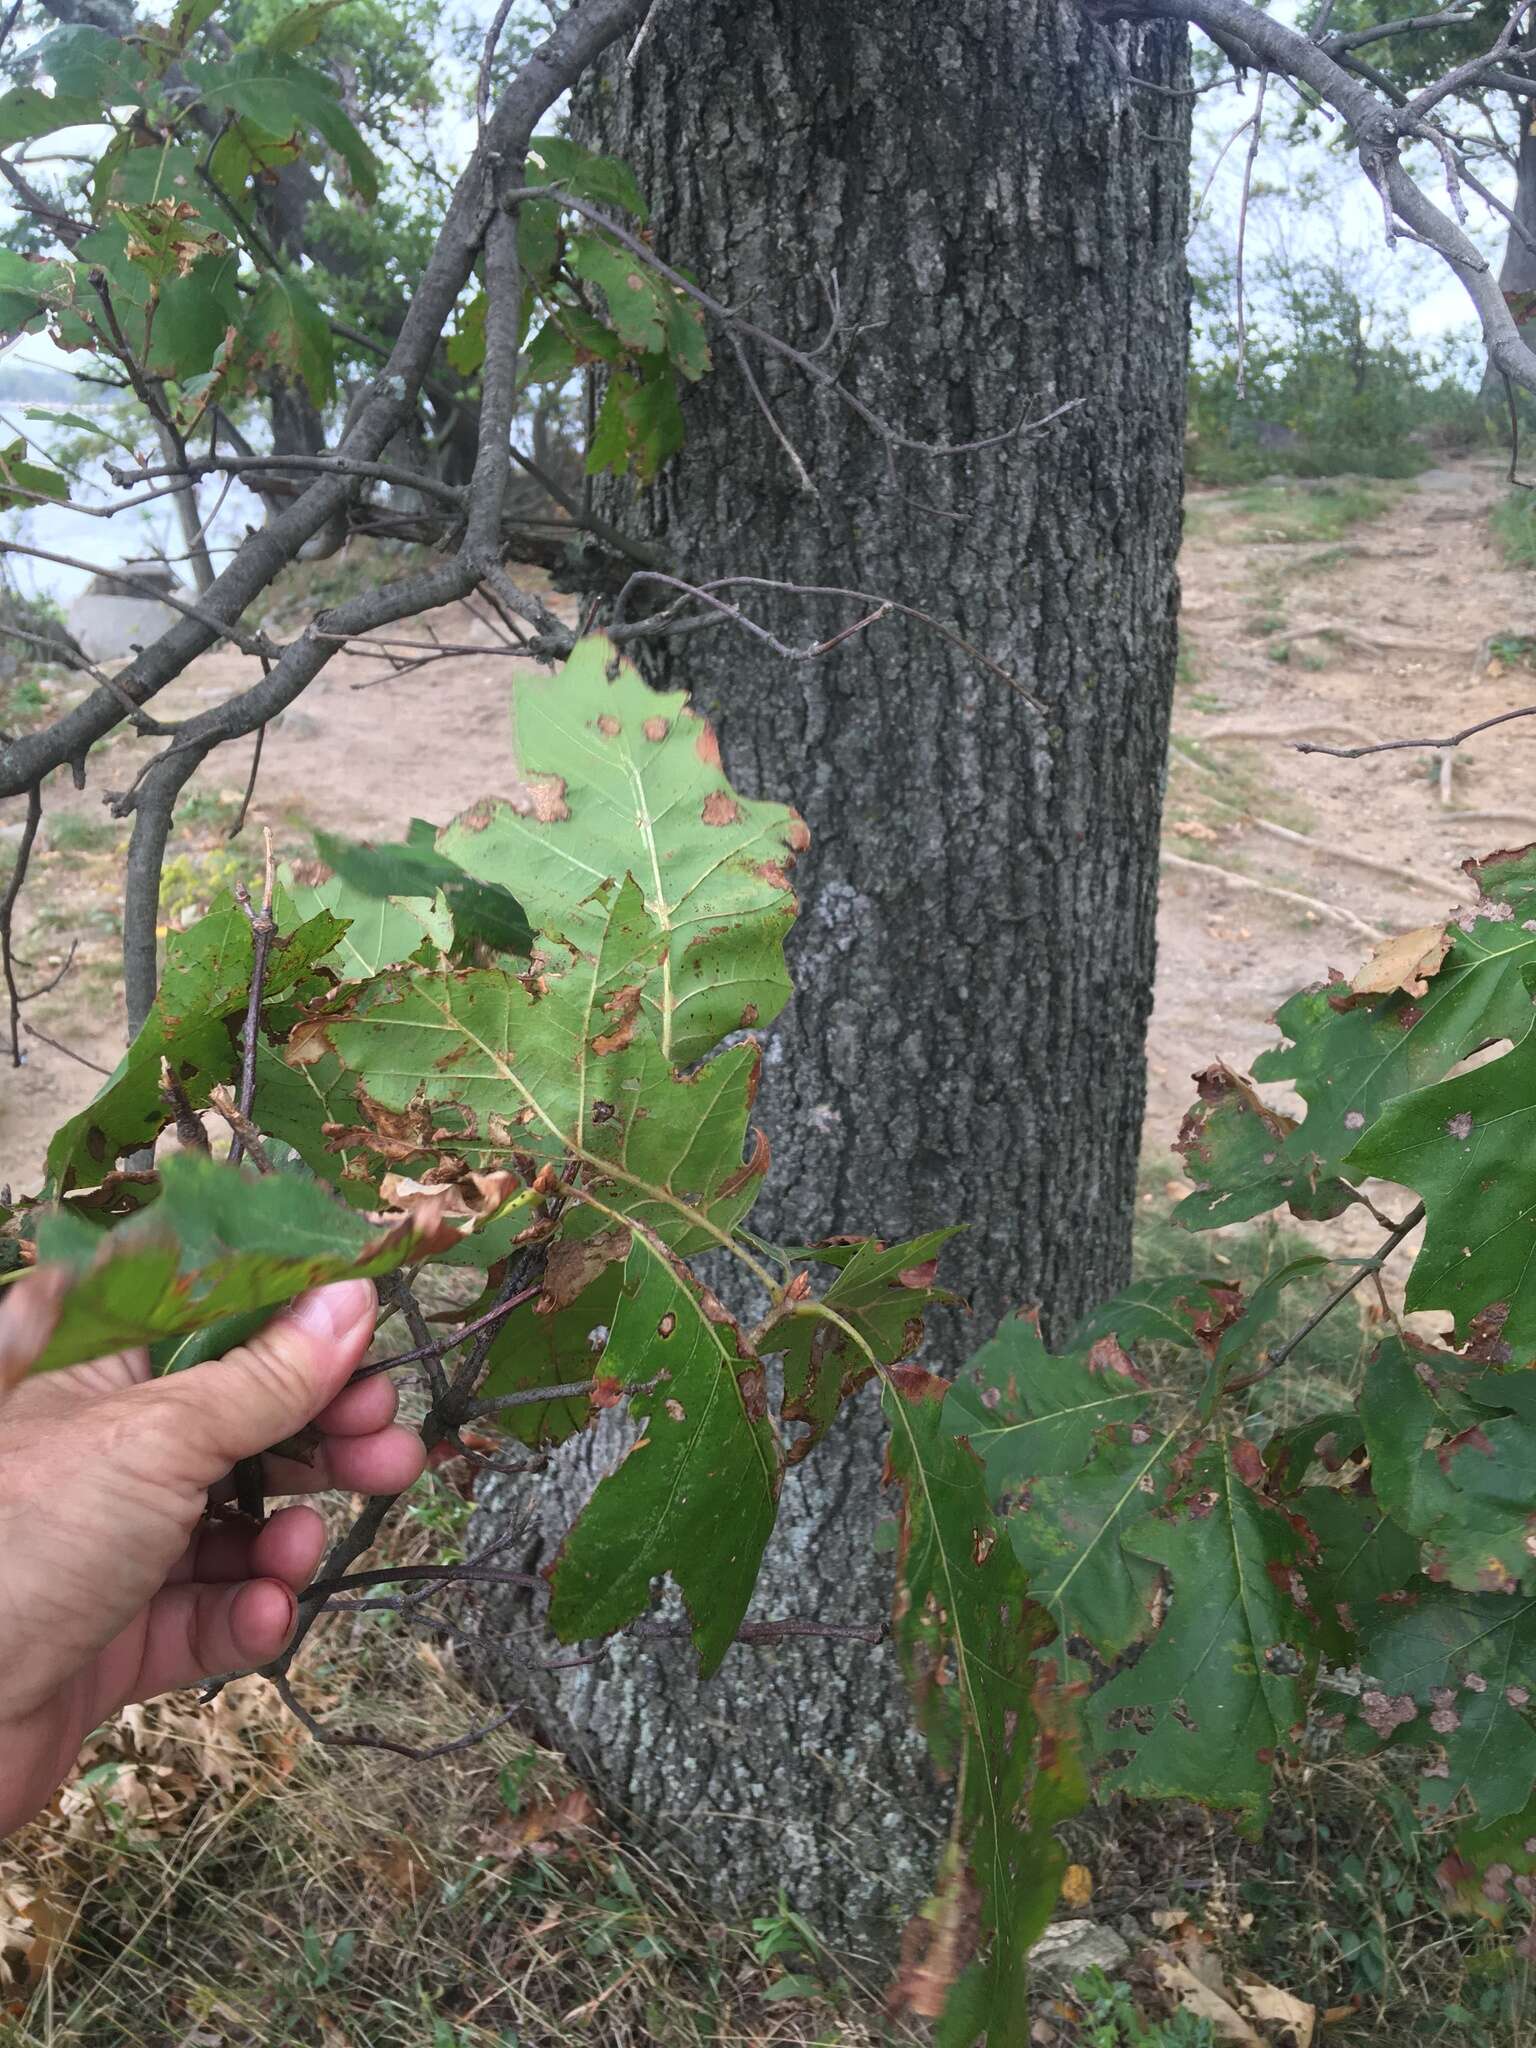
column 1004, row 221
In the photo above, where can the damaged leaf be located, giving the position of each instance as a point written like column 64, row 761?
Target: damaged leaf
column 617, row 778
column 696, row 1496
column 1222, row 1686
column 881, row 1291
column 1453, row 1456
column 1349, row 1054
column 217, row 1242
column 445, row 1066
column 1235, row 1150
column 1468, row 1148
column 968, row 1632
column 195, row 1025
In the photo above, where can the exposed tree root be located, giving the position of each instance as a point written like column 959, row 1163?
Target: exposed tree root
column 1236, row 881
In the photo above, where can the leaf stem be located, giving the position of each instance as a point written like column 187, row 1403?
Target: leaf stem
column 1276, row 1357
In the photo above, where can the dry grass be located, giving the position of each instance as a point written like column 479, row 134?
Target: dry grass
column 215, row 1879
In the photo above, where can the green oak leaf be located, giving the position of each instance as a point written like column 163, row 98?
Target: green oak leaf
column 23, row 482
column 26, row 112
column 487, row 911
column 552, row 1347
column 605, row 180
column 697, row 1495
column 280, row 92
column 620, row 779
column 1029, row 1413
column 881, row 1292
column 1176, row 1309
column 28, row 288
column 1349, row 1056
column 1458, row 1669
column 1361, row 1557
column 195, row 1024
column 1492, row 1864
column 287, row 328
column 376, row 931
column 86, row 63
column 1223, row 1684
column 967, row 1633
column 639, row 424
column 1450, row 1469
column 1465, row 1147
column 465, row 347
column 1235, row 1151
column 216, row 1242
column 1066, row 1533
column 480, row 1064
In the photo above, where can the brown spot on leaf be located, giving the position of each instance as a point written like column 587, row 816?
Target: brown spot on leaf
column 754, row 1168
column 675, row 1409
column 542, row 799
column 1224, row 1309
column 1473, row 1439
column 1382, row 1714
column 771, row 872
column 720, row 808
column 1106, row 1356
column 1248, row 1462
column 609, row 726
column 749, row 1015
column 308, row 1042
column 624, row 1008
column 667, row 1325
column 1485, row 1342
column 603, row 1112
column 656, row 728
column 754, row 1392
column 572, row 1264
column 706, row 746
column 922, row 1275
column 936, row 1946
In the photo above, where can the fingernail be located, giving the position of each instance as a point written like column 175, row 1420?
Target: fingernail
column 334, row 1312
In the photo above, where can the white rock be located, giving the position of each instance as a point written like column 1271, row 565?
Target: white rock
column 1068, row 1947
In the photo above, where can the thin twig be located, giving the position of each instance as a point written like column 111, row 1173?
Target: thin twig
column 263, row 931
column 395, row 1288
column 438, row 1345
column 1276, row 1356
column 68, row 1051
column 250, row 784
column 8, row 912
column 1454, row 739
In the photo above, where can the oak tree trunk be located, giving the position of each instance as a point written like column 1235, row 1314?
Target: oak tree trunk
column 1002, row 221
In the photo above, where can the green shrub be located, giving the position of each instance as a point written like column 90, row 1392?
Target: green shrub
column 1513, row 528
column 1323, row 396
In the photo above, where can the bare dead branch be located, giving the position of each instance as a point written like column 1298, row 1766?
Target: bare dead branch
column 1454, row 739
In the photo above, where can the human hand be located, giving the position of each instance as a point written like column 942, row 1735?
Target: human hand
column 114, row 1583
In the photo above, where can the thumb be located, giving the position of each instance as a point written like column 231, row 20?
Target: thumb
column 241, row 1404
column 29, row 1309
